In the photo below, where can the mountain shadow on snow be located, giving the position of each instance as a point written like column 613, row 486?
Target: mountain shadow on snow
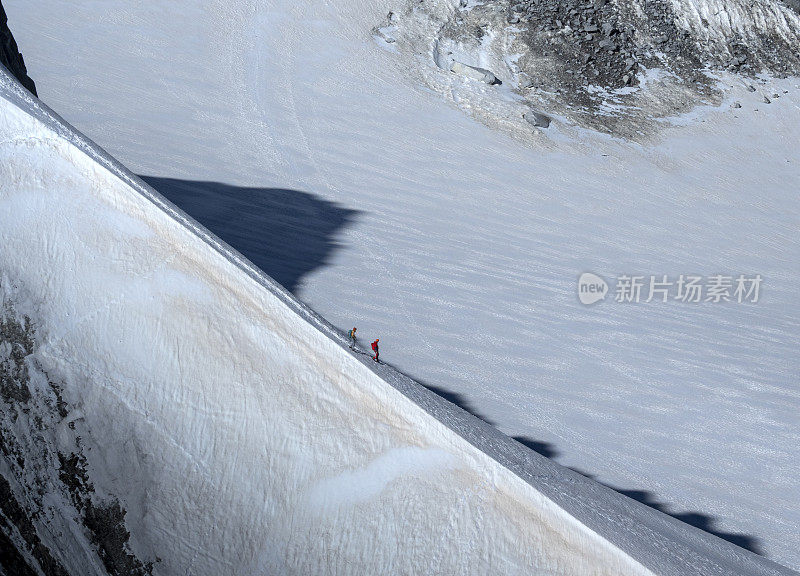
column 704, row 522
column 286, row 233
column 289, row 233
column 699, row 520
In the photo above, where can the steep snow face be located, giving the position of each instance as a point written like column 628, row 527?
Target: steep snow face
column 467, row 246
column 169, row 409
column 165, row 413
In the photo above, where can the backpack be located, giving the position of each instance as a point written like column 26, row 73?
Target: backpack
column 374, row 346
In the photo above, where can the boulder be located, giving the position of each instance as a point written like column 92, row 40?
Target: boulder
column 537, row 119
column 607, row 44
column 473, row 72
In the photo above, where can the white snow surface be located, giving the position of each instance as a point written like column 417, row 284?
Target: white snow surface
column 239, row 438
column 237, row 432
column 466, row 251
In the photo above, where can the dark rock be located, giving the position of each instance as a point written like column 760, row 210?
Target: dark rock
column 10, row 56
column 10, row 557
column 537, row 119
column 607, row 44
column 604, row 43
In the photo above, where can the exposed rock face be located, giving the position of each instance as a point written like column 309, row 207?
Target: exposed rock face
column 793, row 4
column 617, row 66
column 48, row 503
column 10, row 56
column 607, row 42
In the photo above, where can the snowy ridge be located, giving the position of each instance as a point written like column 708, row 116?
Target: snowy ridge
column 302, row 104
column 507, row 519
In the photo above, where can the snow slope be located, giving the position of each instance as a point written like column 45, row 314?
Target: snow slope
column 238, row 437
column 468, row 245
column 232, row 425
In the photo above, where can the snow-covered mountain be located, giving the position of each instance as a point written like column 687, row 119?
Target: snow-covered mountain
column 458, row 242
column 168, row 409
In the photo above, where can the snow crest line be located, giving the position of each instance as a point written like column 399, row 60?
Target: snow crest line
column 659, row 542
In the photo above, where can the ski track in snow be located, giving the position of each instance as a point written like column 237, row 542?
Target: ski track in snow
column 465, row 257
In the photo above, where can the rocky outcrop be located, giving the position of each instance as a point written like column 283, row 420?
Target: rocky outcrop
column 10, row 56
column 48, row 502
column 617, row 66
column 606, row 43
